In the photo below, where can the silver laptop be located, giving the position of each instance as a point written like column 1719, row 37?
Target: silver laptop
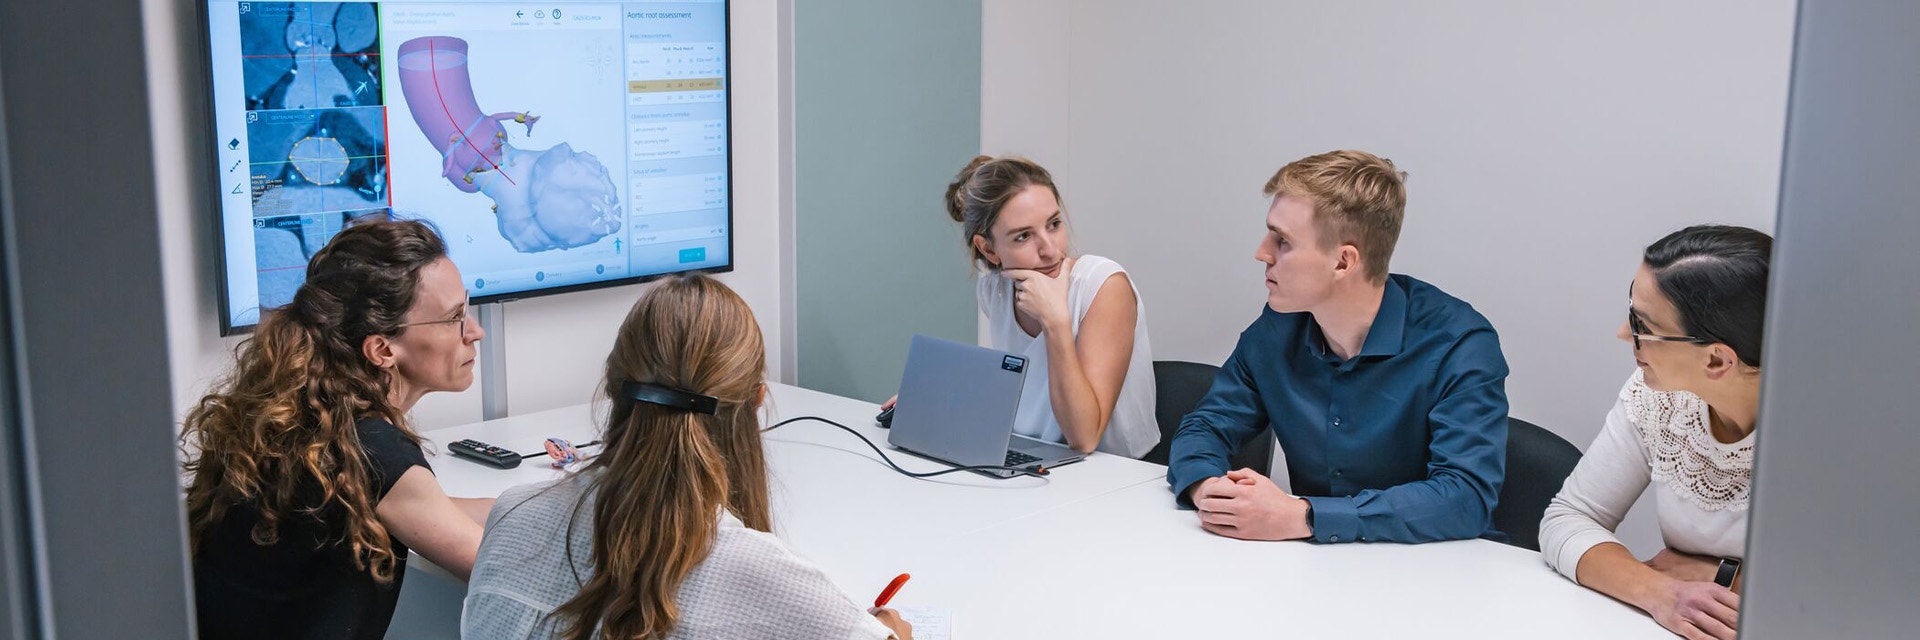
column 957, row 403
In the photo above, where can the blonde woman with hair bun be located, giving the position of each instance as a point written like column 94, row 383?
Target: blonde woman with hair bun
column 1077, row 318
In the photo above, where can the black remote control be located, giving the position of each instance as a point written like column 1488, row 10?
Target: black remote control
column 484, row 453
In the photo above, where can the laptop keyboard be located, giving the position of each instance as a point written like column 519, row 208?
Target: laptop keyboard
column 1017, row 459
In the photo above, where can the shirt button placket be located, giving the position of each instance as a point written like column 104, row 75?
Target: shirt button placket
column 1333, row 425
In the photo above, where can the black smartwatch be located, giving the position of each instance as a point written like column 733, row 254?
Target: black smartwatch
column 1729, row 570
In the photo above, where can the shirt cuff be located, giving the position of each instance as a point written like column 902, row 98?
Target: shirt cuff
column 1186, row 476
column 870, row 629
column 1335, row 520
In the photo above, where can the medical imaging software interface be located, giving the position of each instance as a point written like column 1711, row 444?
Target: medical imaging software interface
column 553, row 144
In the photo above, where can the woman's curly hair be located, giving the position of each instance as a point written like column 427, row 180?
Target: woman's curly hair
column 277, row 433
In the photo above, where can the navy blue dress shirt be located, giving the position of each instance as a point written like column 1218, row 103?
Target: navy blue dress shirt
column 1404, row 442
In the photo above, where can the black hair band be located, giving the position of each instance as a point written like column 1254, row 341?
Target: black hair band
column 670, row 397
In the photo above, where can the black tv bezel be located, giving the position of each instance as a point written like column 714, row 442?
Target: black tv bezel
column 209, row 157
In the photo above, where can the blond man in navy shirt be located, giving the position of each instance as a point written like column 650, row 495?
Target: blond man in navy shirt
column 1388, row 396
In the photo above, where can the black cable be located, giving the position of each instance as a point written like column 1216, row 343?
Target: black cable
column 1040, row 472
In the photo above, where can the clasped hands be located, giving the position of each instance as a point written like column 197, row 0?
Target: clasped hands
column 1246, row 505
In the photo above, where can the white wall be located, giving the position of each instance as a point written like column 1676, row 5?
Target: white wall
column 557, row 344
column 1547, row 144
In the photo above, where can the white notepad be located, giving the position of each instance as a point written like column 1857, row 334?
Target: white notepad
column 929, row 623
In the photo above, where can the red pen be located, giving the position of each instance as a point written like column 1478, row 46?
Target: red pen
column 892, row 588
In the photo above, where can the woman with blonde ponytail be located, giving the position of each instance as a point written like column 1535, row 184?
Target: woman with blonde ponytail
column 665, row 533
column 308, row 486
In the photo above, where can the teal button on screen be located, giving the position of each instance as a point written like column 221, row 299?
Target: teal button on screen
column 696, row 254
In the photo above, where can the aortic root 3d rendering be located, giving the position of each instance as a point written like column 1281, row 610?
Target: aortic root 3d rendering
column 554, row 198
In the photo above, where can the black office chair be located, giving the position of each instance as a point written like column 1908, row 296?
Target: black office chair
column 1538, row 462
column 1179, row 388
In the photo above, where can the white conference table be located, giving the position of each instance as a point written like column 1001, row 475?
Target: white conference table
column 1096, row 550
column 1129, row 565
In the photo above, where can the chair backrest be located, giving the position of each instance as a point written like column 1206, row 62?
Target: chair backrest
column 1538, row 462
column 1179, row 386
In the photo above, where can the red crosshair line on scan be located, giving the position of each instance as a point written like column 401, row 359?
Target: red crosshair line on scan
column 433, row 71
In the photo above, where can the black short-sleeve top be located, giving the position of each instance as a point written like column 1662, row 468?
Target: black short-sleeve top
column 305, row 584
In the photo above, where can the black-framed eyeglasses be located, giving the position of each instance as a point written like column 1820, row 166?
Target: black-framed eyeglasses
column 459, row 319
column 1639, row 330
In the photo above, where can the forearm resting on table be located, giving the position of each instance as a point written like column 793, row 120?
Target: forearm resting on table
column 1611, row 569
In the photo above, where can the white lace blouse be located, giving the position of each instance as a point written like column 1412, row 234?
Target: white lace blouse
column 1663, row 439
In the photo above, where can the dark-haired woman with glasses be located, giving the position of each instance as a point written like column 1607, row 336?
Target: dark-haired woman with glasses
column 1683, row 425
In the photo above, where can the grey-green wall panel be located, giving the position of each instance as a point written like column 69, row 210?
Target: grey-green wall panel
column 91, row 500
column 886, row 109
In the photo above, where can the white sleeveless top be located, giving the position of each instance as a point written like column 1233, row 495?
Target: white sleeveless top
column 1132, row 429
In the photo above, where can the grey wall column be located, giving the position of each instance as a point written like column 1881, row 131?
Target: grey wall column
column 493, row 361
column 886, row 110
column 93, row 489
column 1834, row 512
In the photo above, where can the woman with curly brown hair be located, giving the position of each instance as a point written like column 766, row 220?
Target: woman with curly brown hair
column 308, row 486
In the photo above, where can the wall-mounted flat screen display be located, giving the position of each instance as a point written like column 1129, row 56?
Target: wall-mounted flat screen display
column 556, row 145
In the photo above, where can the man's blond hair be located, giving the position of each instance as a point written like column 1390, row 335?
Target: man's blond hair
column 1358, row 198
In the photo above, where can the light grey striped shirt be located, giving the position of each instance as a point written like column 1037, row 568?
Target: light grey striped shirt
column 752, row 585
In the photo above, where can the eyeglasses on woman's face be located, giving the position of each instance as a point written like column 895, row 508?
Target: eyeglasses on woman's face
column 458, row 319
column 1639, row 329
